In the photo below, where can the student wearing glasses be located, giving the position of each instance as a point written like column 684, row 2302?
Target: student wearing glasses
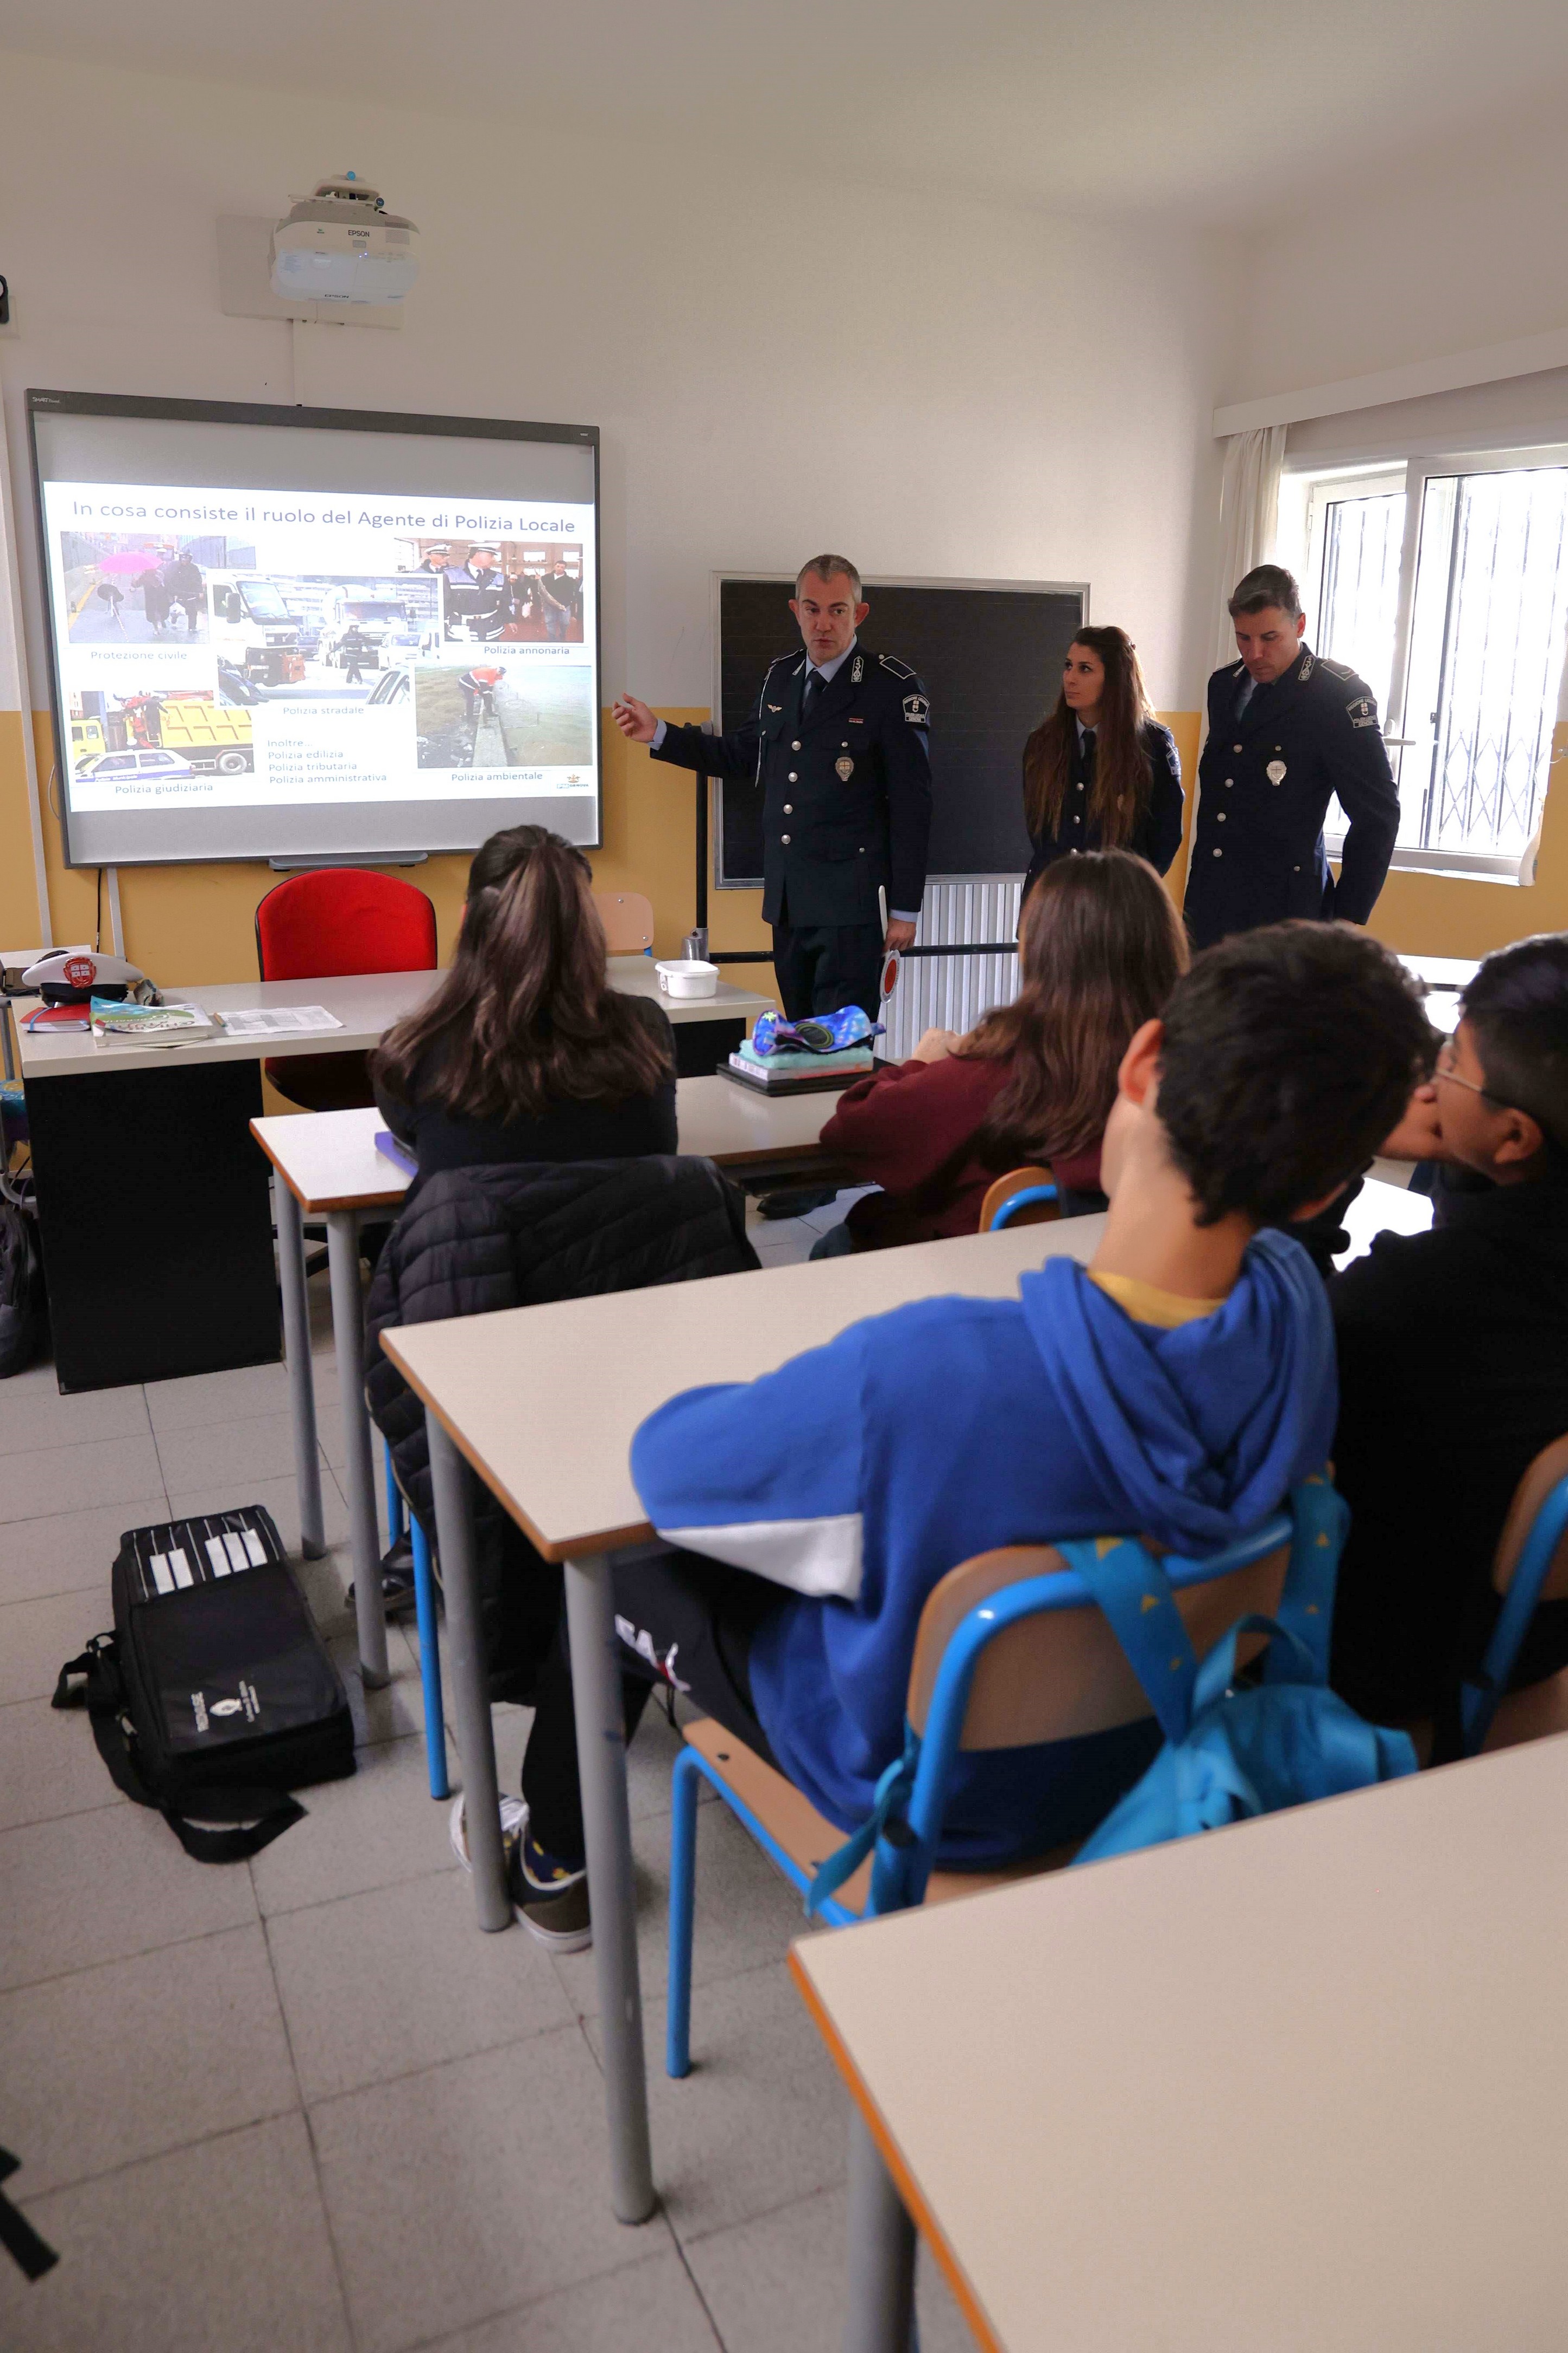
column 1453, row 1349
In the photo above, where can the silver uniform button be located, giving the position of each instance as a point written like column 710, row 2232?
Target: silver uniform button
column 1220, row 819
column 785, row 838
column 1077, row 820
column 1235, row 747
column 793, row 777
column 794, row 747
column 789, row 808
column 1228, row 782
column 1080, row 788
column 1219, row 853
column 1295, row 870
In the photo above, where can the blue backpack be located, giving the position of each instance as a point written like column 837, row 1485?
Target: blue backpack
column 1231, row 1753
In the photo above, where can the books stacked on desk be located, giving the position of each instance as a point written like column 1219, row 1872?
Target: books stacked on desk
column 805, row 1057
column 784, row 1072
column 149, row 1025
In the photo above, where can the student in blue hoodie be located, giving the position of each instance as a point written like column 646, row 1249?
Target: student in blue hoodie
column 1179, row 1384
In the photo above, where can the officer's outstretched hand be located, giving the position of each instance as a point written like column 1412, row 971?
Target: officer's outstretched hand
column 634, row 719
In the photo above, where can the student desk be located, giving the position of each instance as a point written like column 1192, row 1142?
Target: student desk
column 328, row 1167
column 152, row 1198
column 542, row 1402
column 1297, row 2084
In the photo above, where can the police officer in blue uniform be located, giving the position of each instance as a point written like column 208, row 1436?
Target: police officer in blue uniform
column 1287, row 730
column 837, row 748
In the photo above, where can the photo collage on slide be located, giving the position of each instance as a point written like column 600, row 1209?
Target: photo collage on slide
column 219, row 649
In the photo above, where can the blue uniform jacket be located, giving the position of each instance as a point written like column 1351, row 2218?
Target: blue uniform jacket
column 1265, row 783
column 858, row 1474
column 846, row 794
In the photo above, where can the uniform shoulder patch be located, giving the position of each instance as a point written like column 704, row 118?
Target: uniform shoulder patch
column 1334, row 669
column 898, row 669
column 917, row 709
column 1361, row 711
column 1173, row 757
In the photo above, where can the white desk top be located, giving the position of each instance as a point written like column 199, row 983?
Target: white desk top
column 1297, row 2084
column 367, row 1004
column 543, row 1400
column 329, row 1159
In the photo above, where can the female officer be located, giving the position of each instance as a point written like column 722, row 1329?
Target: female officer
column 1101, row 772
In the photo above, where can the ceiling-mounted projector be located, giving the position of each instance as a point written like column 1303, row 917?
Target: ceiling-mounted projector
column 342, row 245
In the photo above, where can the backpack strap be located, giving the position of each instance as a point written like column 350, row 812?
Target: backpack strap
column 1319, row 1517
column 258, row 1815
column 1135, row 1596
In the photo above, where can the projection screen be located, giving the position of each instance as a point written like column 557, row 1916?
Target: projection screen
column 292, row 632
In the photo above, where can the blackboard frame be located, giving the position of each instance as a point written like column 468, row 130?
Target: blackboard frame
column 871, row 583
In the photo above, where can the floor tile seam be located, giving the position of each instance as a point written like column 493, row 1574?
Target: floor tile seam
column 694, row 2283
column 151, row 2156
column 37, row 1443
column 699, row 2238
column 433, row 2067
column 70, row 1813
column 113, row 1503
column 528, row 2303
column 313, row 2100
column 332, row 2247
column 117, row 1960
column 316, row 1903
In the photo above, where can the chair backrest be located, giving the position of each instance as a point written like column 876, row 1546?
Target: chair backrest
column 1549, row 1466
column 628, row 918
column 1061, row 1671
column 339, row 919
column 996, row 1210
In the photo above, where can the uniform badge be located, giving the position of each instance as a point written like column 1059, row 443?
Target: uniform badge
column 775, row 706
column 917, row 710
column 1362, row 712
column 1275, row 772
column 845, row 769
column 858, row 672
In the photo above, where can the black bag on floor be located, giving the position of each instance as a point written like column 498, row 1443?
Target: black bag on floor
column 214, row 1696
column 21, row 1288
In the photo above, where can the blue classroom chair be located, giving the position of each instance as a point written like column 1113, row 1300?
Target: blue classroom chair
column 1024, row 1196
column 1530, row 1566
column 1011, row 1651
column 398, row 1517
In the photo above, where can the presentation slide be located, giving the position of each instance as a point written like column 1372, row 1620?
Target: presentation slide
column 351, row 668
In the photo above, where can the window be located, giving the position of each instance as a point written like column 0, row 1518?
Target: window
column 1444, row 584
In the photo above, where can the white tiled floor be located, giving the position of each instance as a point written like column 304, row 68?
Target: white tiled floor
column 300, row 2105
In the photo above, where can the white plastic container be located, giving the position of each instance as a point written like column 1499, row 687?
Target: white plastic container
column 688, row 977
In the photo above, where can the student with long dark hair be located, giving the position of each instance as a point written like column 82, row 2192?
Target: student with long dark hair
column 1101, row 948
column 525, row 1052
column 1100, row 772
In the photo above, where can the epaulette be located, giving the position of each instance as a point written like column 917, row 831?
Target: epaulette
column 1335, row 670
column 898, row 669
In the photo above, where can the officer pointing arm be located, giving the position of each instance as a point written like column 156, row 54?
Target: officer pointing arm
column 1288, row 729
column 838, row 747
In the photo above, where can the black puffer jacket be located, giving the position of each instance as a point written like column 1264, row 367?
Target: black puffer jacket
column 470, row 1241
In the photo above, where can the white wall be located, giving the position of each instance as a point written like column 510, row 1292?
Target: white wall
column 937, row 386
column 1472, row 251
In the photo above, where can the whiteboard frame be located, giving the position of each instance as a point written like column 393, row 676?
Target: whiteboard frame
column 868, row 582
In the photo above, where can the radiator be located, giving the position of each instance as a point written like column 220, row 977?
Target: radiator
column 952, row 992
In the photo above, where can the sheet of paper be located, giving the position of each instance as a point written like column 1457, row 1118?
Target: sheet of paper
column 278, row 1021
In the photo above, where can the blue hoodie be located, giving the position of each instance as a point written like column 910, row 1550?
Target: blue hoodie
column 858, row 1474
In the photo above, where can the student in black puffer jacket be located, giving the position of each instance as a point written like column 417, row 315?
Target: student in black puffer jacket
column 540, row 1104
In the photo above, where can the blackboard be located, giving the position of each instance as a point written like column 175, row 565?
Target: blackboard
column 990, row 659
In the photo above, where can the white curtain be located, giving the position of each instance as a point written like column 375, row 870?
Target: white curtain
column 1248, row 515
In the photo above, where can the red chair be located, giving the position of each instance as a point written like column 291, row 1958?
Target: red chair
column 320, row 925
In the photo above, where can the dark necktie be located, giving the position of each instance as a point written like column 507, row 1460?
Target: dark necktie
column 814, row 685
column 1088, row 747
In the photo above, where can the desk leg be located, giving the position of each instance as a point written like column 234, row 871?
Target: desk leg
column 467, row 1677
column 301, row 1373
column 881, row 2302
column 348, row 1332
column 606, row 1821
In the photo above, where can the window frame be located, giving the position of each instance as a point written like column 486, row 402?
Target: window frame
column 1304, row 500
